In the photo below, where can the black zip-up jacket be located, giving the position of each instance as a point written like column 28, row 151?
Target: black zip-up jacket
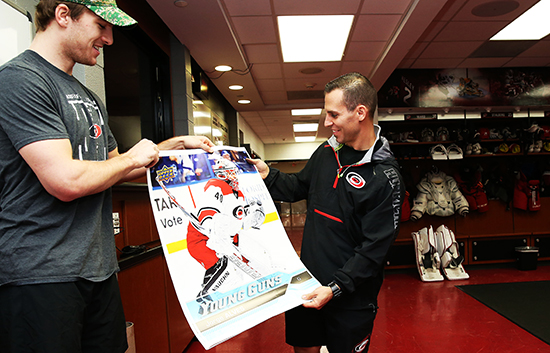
column 353, row 216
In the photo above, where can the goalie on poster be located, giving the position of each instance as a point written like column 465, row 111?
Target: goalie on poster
column 213, row 239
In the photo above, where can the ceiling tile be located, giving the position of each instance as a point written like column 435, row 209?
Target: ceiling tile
column 417, row 49
column 275, row 113
column 449, row 49
column 465, row 13
column 270, row 85
column 374, row 27
column 282, row 125
column 502, row 49
column 266, row 71
column 528, row 62
column 406, row 63
column 450, row 9
column 271, row 98
column 303, row 84
column 363, row 67
column 305, row 96
column 249, row 114
column 540, row 49
column 292, row 70
column 464, row 31
column 369, row 51
column 313, row 7
column 385, row 7
column 246, row 8
column 255, row 30
column 435, row 63
column 432, row 31
column 262, row 53
column 260, row 129
column 469, row 63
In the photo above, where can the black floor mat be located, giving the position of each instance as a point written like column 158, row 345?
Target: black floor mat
column 527, row 304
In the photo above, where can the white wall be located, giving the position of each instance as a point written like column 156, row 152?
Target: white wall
column 290, row 151
column 15, row 31
column 250, row 137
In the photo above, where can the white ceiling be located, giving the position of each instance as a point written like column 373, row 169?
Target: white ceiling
column 386, row 34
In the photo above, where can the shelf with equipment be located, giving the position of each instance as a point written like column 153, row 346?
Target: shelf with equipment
column 474, row 133
column 488, row 237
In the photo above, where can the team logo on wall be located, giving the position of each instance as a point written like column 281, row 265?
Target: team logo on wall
column 355, row 180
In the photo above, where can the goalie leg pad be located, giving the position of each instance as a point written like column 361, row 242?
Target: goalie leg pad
column 210, row 282
column 451, row 260
column 427, row 259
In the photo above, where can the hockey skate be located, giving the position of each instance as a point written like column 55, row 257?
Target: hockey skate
column 451, row 260
column 427, row 258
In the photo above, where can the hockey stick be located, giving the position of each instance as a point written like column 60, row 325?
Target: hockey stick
column 195, row 222
column 192, row 219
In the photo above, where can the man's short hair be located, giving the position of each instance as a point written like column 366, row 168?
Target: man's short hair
column 45, row 12
column 357, row 90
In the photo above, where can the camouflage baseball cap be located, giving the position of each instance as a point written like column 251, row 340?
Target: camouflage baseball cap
column 107, row 10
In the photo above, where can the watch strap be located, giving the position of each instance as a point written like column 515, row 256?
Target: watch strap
column 336, row 291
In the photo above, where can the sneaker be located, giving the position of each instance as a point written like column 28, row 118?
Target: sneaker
column 438, row 152
column 454, row 152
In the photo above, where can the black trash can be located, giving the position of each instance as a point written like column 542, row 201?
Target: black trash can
column 527, row 257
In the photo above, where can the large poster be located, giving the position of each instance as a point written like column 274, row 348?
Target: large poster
column 227, row 251
column 430, row 88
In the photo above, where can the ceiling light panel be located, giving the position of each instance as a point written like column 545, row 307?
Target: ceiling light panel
column 305, row 127
column 304, row 138
column 314, row 38
column 301, row 112
column 223, row 68
column 532, row 25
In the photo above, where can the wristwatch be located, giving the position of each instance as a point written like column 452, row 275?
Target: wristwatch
column 336, row 291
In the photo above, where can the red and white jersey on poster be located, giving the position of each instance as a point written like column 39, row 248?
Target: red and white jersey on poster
column 221, row 211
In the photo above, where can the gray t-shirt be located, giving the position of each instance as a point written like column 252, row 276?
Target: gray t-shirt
column 42, row 239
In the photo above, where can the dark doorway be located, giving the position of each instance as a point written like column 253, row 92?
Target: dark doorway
column 137, row 84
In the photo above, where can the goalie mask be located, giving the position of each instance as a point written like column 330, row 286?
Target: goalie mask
column 227, row 171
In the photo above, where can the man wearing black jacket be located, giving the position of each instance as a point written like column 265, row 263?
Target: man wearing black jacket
column 354, row 192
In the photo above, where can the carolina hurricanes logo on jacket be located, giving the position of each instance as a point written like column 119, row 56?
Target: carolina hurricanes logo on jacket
column 95, row 131
column 355, row 180
column 361, row 346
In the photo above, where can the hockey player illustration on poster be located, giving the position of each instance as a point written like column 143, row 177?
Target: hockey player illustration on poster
column 213, row 234
column 229, row 257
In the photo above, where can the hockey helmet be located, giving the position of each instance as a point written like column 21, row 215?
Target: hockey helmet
column 484, row 133
column 442, row 134
column 226, row 170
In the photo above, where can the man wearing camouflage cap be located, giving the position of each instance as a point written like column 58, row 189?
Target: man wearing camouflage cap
column 58, row 265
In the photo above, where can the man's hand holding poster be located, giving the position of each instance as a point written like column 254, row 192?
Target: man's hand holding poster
column 228, row 254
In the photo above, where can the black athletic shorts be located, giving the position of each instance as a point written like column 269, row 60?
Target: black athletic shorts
column 72, row 317
column 341, row 330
